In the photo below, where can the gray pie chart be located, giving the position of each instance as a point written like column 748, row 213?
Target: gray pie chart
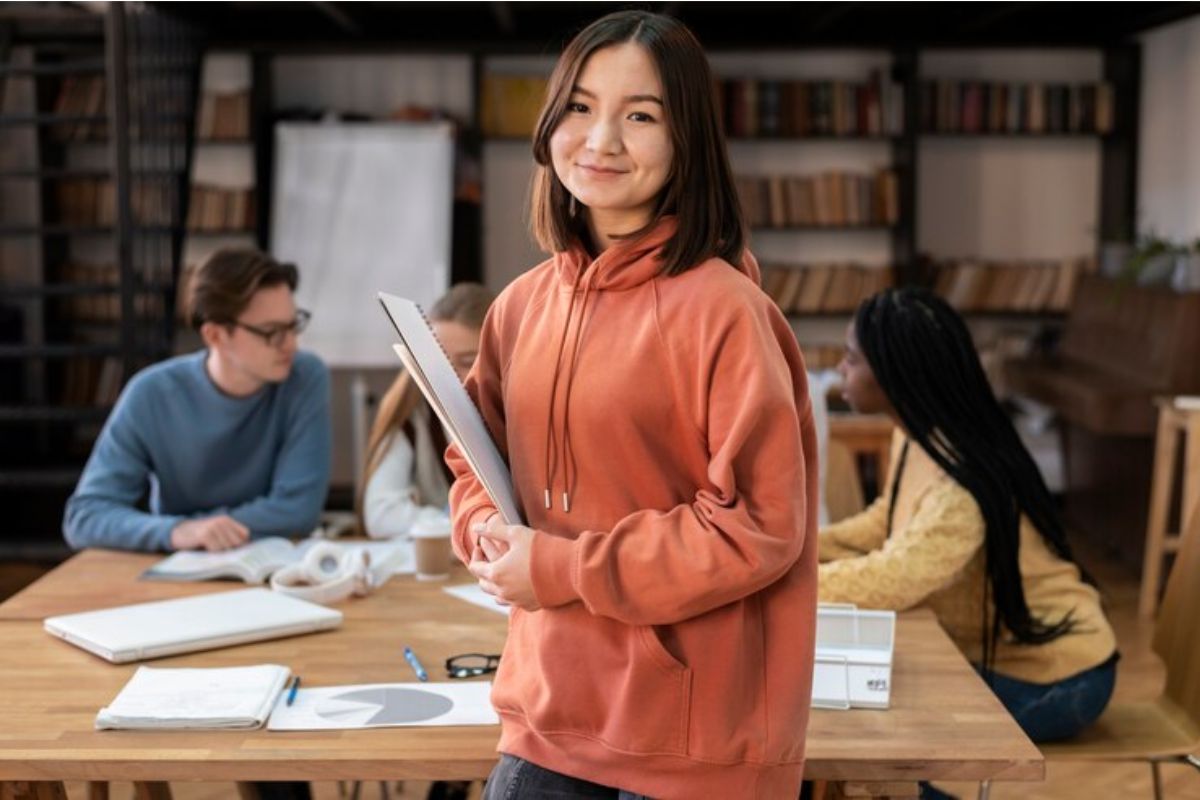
column 385, row 705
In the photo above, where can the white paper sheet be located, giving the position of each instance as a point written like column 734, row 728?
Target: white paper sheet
column 385, row 705
column 476, row 596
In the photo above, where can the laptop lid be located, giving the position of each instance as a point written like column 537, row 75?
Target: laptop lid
column 187, row 624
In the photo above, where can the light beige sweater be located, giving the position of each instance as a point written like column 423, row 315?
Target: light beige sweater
column 935, row 558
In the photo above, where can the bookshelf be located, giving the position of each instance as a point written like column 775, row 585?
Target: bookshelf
column 91, row 170
column 491, row 239
column 1025, row 168
column 817, row 137
column 223, row 194
column 1060, row 158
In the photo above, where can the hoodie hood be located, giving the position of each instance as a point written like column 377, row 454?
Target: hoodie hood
column 628, row 262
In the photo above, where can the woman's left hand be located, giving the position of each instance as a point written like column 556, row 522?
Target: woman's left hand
column 509, row 578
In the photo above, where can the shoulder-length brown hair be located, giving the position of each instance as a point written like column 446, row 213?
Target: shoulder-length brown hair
column 699, row 191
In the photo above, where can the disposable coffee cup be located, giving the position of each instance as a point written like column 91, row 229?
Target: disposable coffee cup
column 431, row 546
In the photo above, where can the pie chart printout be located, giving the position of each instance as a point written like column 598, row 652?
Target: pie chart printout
column 384, row 705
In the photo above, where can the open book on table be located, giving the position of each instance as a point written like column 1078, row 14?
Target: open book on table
column 254, row 562
column 192, row 699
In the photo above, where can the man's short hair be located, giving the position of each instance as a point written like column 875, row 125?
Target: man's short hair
column 224, row 284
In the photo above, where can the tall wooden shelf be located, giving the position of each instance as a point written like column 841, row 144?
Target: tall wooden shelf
column 100, row 121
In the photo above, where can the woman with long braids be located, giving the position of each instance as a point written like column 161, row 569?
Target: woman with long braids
column 966, row 525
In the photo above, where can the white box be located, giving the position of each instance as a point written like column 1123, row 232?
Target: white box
column 853, row 665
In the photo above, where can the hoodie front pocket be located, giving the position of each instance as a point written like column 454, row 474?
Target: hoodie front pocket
column 569, row 672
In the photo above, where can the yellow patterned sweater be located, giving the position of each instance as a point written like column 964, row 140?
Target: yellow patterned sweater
column 934, row 558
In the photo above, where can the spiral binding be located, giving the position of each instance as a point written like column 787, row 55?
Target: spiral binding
column 442, row 347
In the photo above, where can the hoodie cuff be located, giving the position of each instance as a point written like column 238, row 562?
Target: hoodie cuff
column 553, row 570
column 471, row 540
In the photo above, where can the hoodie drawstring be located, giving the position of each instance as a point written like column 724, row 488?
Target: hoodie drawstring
column 551, row 450
column 569, row 467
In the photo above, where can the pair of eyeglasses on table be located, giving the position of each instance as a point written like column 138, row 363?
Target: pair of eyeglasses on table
column 471, row 665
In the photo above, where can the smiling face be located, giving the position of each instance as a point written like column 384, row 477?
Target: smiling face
column 612, row 149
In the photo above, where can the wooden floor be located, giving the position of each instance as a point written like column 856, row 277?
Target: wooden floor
column 1139, row 675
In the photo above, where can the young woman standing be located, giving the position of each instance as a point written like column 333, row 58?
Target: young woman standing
column 652, row 405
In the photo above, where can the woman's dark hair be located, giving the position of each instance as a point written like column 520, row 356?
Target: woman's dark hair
column 699, row 191
column 924, row 360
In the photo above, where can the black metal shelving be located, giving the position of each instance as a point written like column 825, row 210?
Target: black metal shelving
column 72, row 330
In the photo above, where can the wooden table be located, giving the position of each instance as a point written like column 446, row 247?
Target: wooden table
column 943, row 724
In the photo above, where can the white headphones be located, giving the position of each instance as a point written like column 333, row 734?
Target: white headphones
column 328, row 573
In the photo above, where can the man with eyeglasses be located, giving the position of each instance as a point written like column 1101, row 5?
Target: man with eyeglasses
column 228, row 443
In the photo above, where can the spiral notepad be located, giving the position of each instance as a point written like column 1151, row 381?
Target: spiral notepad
column 430, row 368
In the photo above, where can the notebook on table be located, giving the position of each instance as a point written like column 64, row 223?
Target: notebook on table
column 187, row 624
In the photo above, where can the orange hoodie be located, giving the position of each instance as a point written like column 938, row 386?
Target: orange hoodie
column 667, row 460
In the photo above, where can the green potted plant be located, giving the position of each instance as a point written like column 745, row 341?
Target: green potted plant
column 1152, row 261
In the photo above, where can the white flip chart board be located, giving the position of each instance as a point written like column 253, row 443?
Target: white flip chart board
column 359, row 208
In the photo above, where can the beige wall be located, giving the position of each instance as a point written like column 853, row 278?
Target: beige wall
column 1169, row 148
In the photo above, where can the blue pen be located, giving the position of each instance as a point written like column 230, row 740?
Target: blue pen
column 411, row 658
column 291, row 698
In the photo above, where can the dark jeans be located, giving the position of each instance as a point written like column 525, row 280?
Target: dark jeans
column 1051, row 711
column 517, row 779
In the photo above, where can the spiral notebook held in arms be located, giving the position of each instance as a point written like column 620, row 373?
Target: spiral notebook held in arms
column 426, row 361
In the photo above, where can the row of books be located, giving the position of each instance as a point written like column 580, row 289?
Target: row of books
column 823, row 288
column 1026, row 286
column 784, row 108
column 106, row 306
column 80, row 96
column 510, row 104
column 829, row 199
column 91, row 381
column 216, row 208
column 223, row 116
column 93, row 201
column 982, row 107
column 794, row 108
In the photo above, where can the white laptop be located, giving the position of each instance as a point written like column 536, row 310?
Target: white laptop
column 187, row 624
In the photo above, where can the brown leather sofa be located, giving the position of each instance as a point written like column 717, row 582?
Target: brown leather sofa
column 1123, row 346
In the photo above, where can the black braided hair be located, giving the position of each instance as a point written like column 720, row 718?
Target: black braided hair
column 924, row 360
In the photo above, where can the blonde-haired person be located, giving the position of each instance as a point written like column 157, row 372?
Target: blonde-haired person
column 406, row 478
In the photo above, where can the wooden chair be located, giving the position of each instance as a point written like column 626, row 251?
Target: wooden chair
column 869, row 435
column 1176, row 417
column 1166, row 729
